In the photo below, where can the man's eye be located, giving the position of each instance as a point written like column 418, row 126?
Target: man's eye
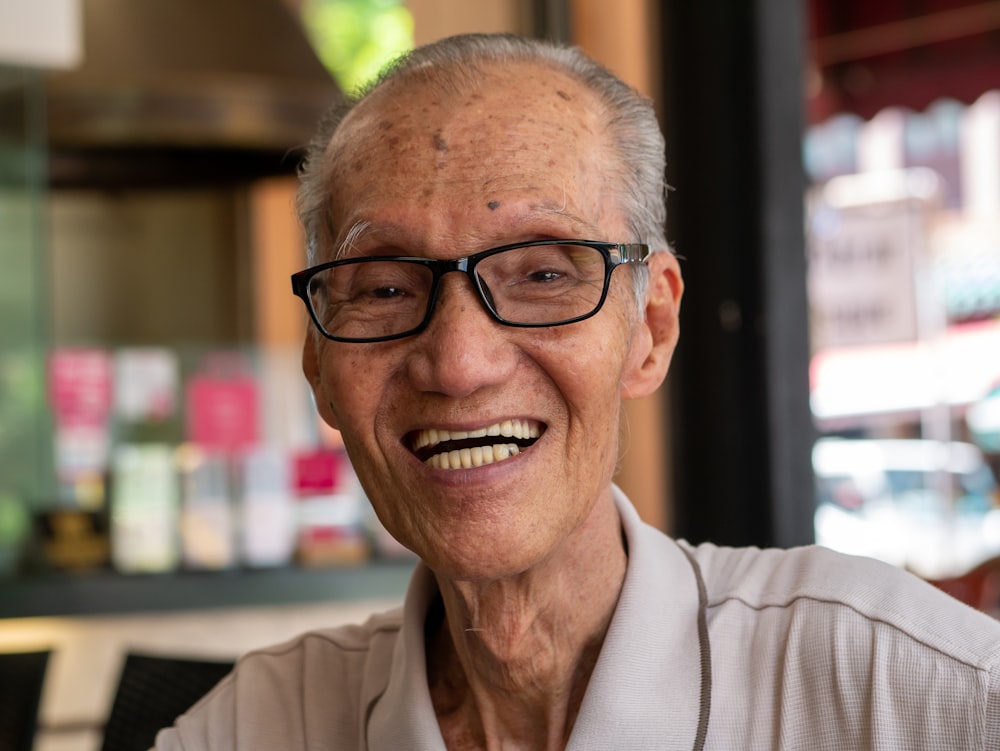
column 387, row 293
column 544, row 276
column 383, row 281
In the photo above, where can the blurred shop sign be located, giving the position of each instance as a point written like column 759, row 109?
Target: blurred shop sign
column 865, row 242
column 957, row 368
column 41, row 33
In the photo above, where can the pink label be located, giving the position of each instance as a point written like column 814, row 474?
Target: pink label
column 222, row 413
column 80, row 387
column 316, row 472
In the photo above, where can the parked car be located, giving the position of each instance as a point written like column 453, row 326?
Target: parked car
column 928, row 506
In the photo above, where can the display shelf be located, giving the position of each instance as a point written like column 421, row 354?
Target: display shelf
column 110, row 593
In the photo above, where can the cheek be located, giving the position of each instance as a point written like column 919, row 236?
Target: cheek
column 367, row 390
column 587, row 368
column 347, row 389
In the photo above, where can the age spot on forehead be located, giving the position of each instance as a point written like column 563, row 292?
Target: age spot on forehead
column 439, row 143
column 493, row 205
column 563, row 95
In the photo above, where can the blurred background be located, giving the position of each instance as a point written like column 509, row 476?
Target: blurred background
column 165, row 485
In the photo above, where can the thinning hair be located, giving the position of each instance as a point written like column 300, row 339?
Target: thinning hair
column 455, row 64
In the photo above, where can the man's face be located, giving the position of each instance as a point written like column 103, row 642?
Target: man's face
column 441, row 175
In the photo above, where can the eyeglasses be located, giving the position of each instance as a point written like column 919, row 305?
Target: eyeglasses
column 532, row 284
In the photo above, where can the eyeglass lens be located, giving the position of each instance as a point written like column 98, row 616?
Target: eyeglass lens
column 538, row 285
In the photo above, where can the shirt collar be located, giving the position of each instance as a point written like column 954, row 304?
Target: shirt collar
column 644, row 691
column 403, row 716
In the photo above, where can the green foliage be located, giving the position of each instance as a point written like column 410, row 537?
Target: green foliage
column 355, row 39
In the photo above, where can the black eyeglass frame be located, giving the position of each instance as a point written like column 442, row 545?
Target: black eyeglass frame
column 615, row 254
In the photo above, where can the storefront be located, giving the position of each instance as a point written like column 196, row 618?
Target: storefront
column 903, row 230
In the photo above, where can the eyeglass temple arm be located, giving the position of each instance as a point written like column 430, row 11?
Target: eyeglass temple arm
column 632, row 252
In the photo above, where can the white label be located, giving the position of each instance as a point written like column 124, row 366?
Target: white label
column 41, row 33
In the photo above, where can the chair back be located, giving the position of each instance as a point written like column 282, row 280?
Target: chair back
column 152, row 692
column 22, row 676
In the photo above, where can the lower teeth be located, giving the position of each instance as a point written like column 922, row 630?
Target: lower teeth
column 473, row 457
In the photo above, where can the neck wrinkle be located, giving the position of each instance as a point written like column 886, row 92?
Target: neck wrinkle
column 509, row 661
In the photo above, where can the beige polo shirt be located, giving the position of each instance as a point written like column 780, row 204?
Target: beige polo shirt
column 798, row 649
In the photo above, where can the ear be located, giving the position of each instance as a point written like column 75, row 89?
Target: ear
column 655, row 337
column 311, row 357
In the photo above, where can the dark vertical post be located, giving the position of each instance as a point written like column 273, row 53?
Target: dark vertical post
column 549, row 19
column 733, row 112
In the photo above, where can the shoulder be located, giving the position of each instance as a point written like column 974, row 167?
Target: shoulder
column 815, row 579
column 289, row 695
column 353, row 651
column 842, row 649
column 339, row 642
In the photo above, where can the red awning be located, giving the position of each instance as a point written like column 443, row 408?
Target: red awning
column 866, row 56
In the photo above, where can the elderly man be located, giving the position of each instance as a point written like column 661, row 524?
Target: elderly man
column 490, row 281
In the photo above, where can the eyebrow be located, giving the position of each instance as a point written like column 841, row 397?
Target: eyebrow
column 353, row 235
column 583, row 223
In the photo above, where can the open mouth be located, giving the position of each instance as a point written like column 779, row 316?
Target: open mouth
column 460, row 449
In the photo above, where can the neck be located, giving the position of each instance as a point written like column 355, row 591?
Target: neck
column 509, row 660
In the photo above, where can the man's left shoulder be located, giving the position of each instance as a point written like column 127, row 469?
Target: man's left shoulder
column 871, row 590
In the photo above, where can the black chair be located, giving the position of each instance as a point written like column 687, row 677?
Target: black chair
column 22, row 675
column 152, row 691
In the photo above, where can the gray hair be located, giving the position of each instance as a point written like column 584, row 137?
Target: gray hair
column 631, row 122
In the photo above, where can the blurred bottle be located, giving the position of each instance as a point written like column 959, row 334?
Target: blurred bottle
column 207, row 523
column 331, row 528
column 267, row 508
column 144, row 509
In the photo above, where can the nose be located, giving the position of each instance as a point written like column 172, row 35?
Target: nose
column 463, row 349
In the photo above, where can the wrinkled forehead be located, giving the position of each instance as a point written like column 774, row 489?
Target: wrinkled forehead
column 484, row 103
column 445, row 144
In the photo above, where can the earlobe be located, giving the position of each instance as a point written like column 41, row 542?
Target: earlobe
column 656, row 338
column 311, row 369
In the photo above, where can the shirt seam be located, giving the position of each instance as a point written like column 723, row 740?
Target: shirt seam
column 985, row 668
column 279, row 650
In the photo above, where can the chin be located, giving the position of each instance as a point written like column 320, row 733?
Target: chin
column 496, row 560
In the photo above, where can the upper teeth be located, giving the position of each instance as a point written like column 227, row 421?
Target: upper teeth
column 476, row 456
column 507, row 428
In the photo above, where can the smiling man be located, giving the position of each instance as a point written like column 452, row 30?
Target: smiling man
column 489, row 282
